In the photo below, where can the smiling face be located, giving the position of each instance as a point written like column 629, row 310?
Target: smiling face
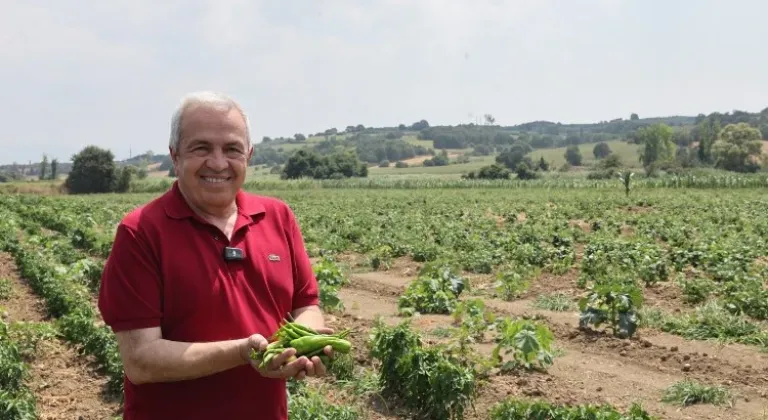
column 212, row 157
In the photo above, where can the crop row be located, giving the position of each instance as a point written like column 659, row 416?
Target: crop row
column 689, row 181
column 67, row 300
column 17, row 402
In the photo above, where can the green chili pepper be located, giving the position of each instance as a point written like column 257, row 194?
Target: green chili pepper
column 311, row 343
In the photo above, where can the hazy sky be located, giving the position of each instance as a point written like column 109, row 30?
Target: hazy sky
column 110, row 73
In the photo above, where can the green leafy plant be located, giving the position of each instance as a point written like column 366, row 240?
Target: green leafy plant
column 616, row 304
column 696, row 290
column 28, row 335
column 6, row 290
column 329, row 279
column 427, row 381
column 473, row 317
column 626, row 179
column 528, row 344
column 510, row 284
column 16, row 399
column 435, row 291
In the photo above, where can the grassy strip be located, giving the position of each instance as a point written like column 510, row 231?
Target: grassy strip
column 688, row 392
column 710, row 321
column 514, row 409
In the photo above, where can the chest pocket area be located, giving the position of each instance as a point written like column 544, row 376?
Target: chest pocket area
column 192, row 282
column 270, row 275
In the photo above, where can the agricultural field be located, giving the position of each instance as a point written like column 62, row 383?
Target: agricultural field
column 475, row 303
column 627, row 152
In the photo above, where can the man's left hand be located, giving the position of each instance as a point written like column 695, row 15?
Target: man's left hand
column 315, row 366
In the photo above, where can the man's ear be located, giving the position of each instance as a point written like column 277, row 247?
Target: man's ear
column 250, row 152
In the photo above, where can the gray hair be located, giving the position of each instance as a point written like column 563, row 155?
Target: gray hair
column 205, row 98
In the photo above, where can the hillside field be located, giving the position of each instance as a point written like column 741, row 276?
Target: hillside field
column 476, row 270
column 626, row 151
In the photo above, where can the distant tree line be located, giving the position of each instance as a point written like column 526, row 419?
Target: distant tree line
column 309, row 164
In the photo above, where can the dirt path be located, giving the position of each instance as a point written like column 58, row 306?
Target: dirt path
column 65, row 386
column 597, row 368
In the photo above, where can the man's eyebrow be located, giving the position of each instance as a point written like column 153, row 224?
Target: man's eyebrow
column 195, row 142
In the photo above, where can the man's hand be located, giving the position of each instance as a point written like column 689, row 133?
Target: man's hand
column 315, row 367
column 286, row 365
column 277, row 367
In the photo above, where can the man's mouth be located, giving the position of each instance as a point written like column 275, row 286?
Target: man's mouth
column 216, row 179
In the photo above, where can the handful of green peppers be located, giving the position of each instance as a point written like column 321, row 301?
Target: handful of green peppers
column 305, row 340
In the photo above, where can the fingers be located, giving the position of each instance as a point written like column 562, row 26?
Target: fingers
column 258, row 342
column 293, row 369
column 318, row 367
column 281, row 359
column 281, row 366
column 310, row 367
column 324, row 330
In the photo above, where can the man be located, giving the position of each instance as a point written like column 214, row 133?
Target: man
column 203, row 274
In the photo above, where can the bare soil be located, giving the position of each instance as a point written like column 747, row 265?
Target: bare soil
column 64, row 383
column 581, row 224
column 595, row 367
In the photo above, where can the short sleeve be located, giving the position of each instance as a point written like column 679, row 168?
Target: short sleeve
column 306, row 291
column 130, row 291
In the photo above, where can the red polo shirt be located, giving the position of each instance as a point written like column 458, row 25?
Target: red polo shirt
column 166, row 269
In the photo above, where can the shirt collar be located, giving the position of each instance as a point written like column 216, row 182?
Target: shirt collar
column 177, row 207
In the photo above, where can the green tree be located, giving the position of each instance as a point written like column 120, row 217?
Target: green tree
column 738, row 148
column 54, row 168
column 123, row 177
column 43, row 167
column 573, row 155
column 301, row 164
column 525, row 172
column 543, row 164
column 706, row 132
column 656, row 145
column 93, row 171
column 440, row 159
column 305, row 163
column 515, row 155
column 601, row 150
column 494, row 171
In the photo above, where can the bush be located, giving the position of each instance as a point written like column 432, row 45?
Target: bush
column 401, row 165
column 440, row 159
column 93, row 171
column 384, row 164
column 601, row 150
column 304, row 163
column 494, row 171
column 573, row 155
column 524, row 172
column 428, row 381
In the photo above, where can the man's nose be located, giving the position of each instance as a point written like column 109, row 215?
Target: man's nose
column 217, row 161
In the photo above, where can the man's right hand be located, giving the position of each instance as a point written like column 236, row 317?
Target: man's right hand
column 279, row 366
